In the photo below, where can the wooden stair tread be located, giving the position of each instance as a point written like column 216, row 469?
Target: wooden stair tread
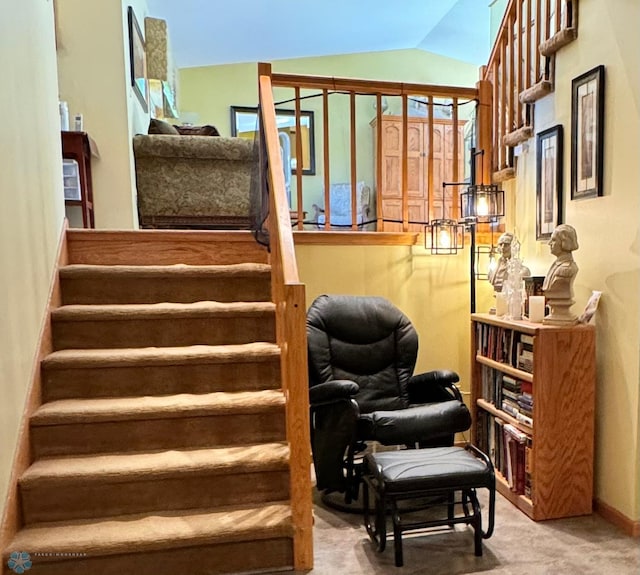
column 557, row 41
column 121, row 467
column 145, row 532
column 155, row 356
column 248, row 270
column 535, row 92
column 79, row 312
column 68, row 411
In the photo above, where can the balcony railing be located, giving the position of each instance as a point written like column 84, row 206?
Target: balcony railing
column 344, row 134
column 520, row 68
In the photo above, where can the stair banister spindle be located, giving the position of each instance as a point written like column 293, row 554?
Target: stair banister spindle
column 503, row 105
column 299, row 160
column 327, row 163
column 354, row 191
column 511, row 116
column 430, row 191
column 379, row 223
column 519, row 69
column 537, row 40
column 405, row 163
column 528, row 82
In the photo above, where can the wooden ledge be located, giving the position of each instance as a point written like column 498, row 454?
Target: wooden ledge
column 355, row 238
column 517, row 136
column 537, row 91
column 557, row 41
column 503, row 175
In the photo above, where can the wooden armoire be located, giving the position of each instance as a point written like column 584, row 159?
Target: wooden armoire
column 424, row 200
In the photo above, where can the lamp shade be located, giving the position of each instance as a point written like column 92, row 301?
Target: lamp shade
column 447, row 237
column 482, row 203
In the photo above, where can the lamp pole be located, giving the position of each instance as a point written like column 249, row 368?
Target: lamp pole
column 472, row 234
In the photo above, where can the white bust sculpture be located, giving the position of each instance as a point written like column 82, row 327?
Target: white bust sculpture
column 498, row 275
column 558, row 283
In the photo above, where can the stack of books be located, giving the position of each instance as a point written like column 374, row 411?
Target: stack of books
column 517, row 399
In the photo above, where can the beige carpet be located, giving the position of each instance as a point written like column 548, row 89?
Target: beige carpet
column 160, row 446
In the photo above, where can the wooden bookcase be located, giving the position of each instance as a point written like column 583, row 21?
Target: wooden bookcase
column 559, row 456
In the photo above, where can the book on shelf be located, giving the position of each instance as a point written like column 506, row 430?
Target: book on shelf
column 528, row 469
column 525, row 361
column 516, row 442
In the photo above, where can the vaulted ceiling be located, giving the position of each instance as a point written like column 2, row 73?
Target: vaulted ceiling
column 209, row 32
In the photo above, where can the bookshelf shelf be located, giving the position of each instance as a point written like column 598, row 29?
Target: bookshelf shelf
column 517, row 373
column 545, row 469
column 489, row 407
column 520, row 501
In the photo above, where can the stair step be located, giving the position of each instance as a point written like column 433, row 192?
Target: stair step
column 55, row 489
column 517, row 136
column 557, row 41
column 74, row 373
column 162, row 324
column 537, row 91
column 226, row 540
column 124, row 424
column 97, row 284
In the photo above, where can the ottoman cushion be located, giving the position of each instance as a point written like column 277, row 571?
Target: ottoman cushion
column 426, row 469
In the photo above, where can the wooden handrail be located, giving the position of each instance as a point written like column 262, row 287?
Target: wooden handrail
column 370, row 87
column 289, row 296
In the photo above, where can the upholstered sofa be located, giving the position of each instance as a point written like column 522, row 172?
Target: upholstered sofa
column 189, row 181
column 340, row 201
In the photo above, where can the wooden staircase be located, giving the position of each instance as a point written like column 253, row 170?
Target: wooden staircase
column 161, row 442
column 521, row 70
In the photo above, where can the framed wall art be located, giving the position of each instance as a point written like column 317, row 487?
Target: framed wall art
column 587, row 134
column 244, row 124
column 138, row 60
column 549, row 177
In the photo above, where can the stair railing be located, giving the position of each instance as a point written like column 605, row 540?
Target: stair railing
column 520, row 68
column 289, row 296
column 430, row 96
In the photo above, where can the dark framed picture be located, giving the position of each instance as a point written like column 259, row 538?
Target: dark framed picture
column 549, row 178
column 138, row 60
column 587, row 134
column 244, row 124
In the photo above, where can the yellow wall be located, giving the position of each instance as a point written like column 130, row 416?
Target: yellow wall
column 93, row 72
column 607, row 228
column 31, row 197
column 433, row 291
column 206, row 94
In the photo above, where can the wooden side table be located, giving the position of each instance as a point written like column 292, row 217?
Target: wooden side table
column 79, row 146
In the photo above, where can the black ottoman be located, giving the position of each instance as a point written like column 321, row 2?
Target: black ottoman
column 430, row 477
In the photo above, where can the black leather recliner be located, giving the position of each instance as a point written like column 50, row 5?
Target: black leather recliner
column 362, row 353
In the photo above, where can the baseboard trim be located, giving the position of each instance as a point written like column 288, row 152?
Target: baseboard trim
column 12, row 518
column 608, row 513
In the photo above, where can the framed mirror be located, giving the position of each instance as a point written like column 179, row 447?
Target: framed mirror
column 244, row 124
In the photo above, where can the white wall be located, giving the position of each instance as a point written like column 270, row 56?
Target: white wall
column 32, row 203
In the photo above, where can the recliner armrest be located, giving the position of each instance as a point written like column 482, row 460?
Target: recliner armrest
column 334, row 390
column 432, row 386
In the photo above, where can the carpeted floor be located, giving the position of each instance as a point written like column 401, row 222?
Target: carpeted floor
column 577, row 546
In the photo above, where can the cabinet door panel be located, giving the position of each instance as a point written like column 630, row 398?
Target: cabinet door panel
column 392, row 210
column 417, row 213
column 392, row 177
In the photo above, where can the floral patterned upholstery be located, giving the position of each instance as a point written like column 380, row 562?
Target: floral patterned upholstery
column 194, row 181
